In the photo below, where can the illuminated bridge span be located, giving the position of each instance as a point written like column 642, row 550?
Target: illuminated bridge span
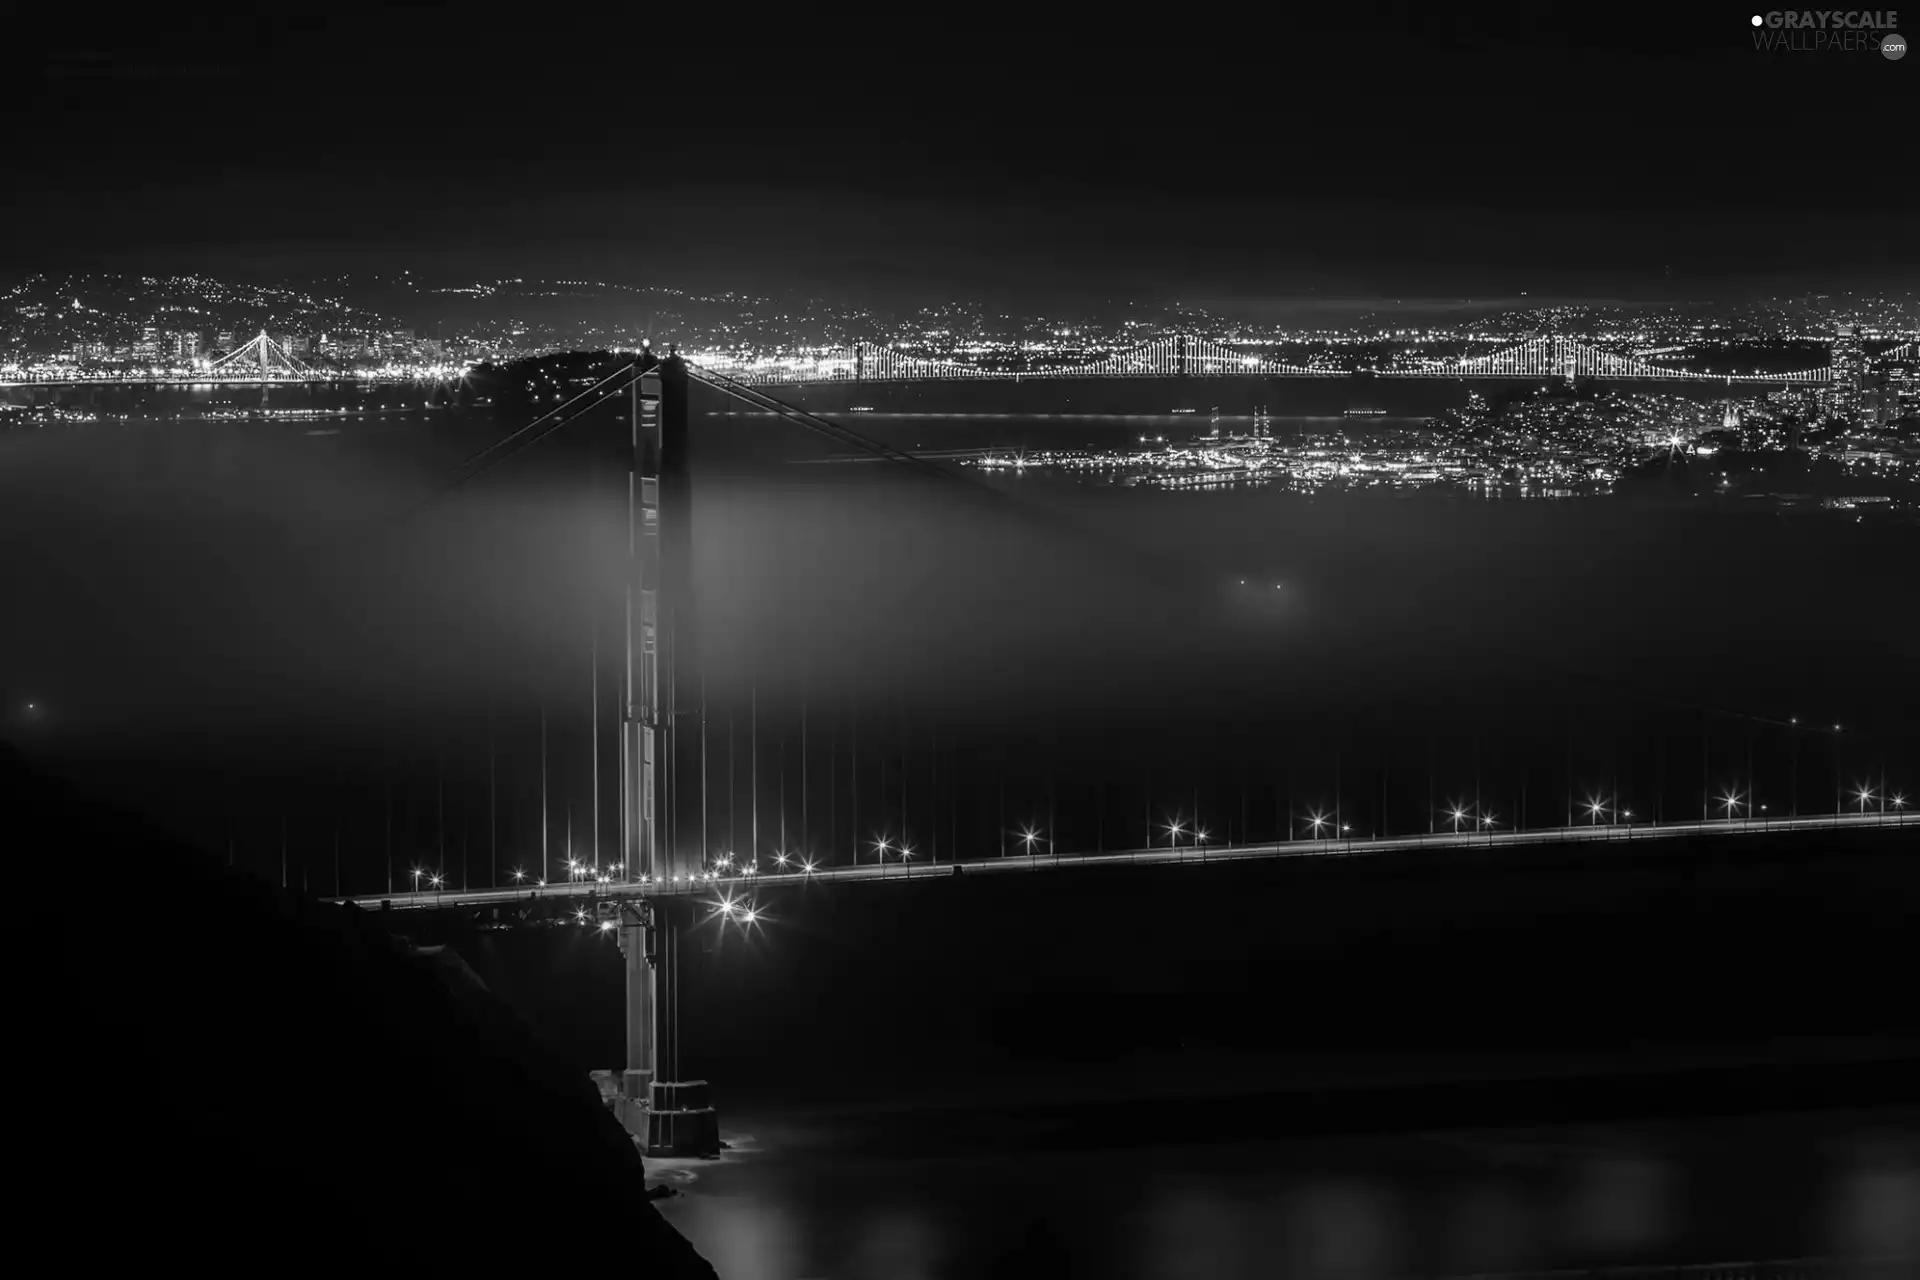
column 1183, row 355
column 720, row 887
column 270, row 361
column 228, row 377
column 1558, row 356
column 1177, row 356
column 262, row 361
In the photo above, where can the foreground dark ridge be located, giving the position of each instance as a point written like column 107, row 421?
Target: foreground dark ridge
column 263, row 1068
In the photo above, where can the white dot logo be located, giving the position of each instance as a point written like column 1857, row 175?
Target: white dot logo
column 1758, row 20
column 1894, row 46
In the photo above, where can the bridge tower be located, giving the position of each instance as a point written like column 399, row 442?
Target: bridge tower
column 1566, row 357
column 669, row 1115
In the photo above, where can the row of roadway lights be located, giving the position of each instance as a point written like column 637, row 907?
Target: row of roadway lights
column 1317, row 826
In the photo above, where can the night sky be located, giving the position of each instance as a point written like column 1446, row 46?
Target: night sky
column 1589, row 154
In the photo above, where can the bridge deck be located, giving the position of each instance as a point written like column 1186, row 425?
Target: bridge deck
column 1184, row 855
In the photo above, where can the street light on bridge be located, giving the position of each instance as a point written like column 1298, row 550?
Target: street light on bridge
column 1862, row 794
column 1174, row 830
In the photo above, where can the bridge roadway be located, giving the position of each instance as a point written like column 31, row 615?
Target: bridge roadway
column 204, row 380
column 1183, row 855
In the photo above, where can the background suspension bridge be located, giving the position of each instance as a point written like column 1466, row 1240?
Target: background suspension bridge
column 1182, row 355
column 263, row 358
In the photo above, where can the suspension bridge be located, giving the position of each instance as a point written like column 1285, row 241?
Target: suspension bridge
column 1195, row 356
column 666, row 879
column 261, row 361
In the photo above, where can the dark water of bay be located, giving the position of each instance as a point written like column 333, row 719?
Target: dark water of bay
column 799, row 1197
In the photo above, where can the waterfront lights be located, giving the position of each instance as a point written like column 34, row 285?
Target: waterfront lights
column 436, row 881
column 416, row 873
column 1862, row 794
column 606, row 926
column 1029, row 836
column 1317, row 821
column 906, row 852
column 519, row 876
column 881, row 847
column 1457, row 815
column 1174, row 830
column 1731, row 802
column 1899, row 800
column 1595, row 807
column 780, row 859
column 807, row 867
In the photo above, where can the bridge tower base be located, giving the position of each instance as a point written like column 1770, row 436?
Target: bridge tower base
column 668, row 1117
